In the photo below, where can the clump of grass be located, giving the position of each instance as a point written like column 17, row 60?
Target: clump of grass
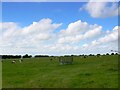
column 113, row 69
column 87, row 74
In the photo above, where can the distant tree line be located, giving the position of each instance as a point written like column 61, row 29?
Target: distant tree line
column 37, row 56
column 27, row 56
column 41, row 56
column 10, row 56
column 83, row 55
column 15, row 56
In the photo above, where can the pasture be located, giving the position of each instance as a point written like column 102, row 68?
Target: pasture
column 90, row 72
column 0, row 74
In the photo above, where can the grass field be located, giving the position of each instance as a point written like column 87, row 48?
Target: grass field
column 90, row 72
column 0, row 75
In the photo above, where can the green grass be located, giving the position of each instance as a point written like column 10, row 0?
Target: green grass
column 0, row 75
column 91, row 72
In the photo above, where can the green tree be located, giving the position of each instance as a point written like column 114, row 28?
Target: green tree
column 107, row 54
column 112, row 53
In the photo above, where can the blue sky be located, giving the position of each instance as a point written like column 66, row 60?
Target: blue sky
column 65, row 12
column 59, row 16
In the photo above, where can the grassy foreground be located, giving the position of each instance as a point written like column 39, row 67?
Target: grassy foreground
column 0, row 75
column 90, row 72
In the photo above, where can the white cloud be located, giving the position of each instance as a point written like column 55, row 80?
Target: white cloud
column 40, row 31
column 79, row 30
column 30, row 36
column 103, row 44
column 92, row 33
column 85, row 45
column 9, row 29
column 109, row 38
column 75, row 28
column 101, row 9
column 39, row 38
column 71, row 39
column 103, row 0
column 44, row 26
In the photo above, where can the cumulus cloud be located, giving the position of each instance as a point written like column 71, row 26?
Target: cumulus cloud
column 79, row 30
column 74, row 28
column 92, row 33
column 9, row 29
column 113, row 36
column 109, row 38
column 13, row 36
column 39, row 38
column 105, row 43
column 101, row 9
column 71, row 39
column 104, row 1
column 40, row 31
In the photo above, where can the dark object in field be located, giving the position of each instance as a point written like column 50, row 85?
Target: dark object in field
column 65, row 60
column 22, row 60
column 51, row 59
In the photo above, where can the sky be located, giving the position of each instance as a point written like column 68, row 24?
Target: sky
column 59, row 28
column 60, row 0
